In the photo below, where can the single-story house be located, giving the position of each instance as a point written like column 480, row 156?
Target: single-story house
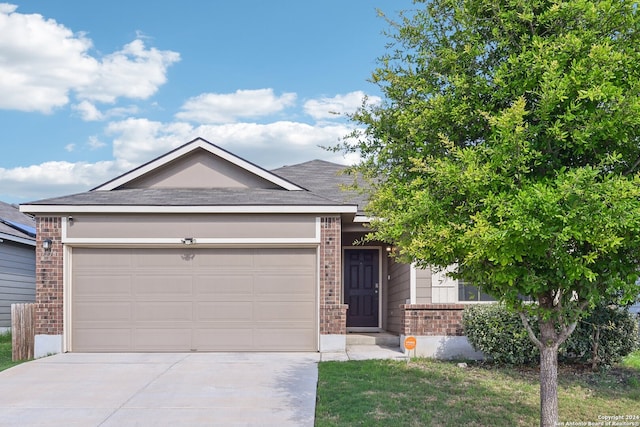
column 17, row 261
column 201, row 250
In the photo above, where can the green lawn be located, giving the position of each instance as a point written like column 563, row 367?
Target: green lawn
column 426, row 392
column 632, row 360
column 5, row 352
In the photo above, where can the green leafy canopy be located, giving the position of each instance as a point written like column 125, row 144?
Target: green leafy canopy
column 508, row 144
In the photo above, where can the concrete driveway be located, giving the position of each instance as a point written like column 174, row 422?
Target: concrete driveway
column 174, row 389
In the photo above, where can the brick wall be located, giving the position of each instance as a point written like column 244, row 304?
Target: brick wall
column 49, row 291
column 333, row 314
column 432, row 319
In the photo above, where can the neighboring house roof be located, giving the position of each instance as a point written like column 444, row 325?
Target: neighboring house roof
column 200, row 177
column 326, row 179
column 16, row 226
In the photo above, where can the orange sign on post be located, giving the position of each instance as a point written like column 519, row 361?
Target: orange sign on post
column 410, row 343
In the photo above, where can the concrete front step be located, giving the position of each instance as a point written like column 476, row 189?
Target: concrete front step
column 373, row 338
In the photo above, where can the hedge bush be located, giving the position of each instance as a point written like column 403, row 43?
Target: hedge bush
column 500, row 335
column 612, row 333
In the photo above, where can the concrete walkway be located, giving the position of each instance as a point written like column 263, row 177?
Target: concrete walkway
column 161, row 389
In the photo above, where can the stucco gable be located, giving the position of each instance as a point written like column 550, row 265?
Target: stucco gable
column 198, row 164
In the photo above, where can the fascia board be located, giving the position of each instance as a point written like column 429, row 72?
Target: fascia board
column 63, row 209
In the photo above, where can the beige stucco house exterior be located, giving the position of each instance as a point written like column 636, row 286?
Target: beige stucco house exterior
column 201, row 250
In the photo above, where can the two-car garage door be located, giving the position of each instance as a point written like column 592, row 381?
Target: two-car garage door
column 183, row 299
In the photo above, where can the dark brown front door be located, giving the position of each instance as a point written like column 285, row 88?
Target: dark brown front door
column 361, row 284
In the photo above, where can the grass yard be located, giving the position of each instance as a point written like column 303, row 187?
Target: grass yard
column 427, row 392
column 5, row 352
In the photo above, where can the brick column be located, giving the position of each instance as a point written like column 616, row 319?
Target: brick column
column 49, row 285
column 333, row 314
column 432, row 319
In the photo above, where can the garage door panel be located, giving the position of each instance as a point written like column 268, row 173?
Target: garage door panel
column 224, row 311
column 164, row 311
column 175, row 260
column 289, row 339
column 96, row 258
column 286, row 284
column 223, row 258
column 162, row 287
column 283, row 312
column 277, row 258
column 211, row 300
column 101, row 285
column 224, row 339
column 224, row 284
column 100, row 311
column 165, row 339
column 103, row 339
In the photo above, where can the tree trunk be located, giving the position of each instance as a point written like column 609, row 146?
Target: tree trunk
column 548, row 375
column 594, row 349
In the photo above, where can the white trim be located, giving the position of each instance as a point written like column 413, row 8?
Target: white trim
column 65, row 228
column 318, row 229
column 413, row 284
column 362, row 218
column 16, row 239
column 67, row 314
column 189, row 147
column 197, row 241
column 380, row 287
column 318, row 337
column 188, row 209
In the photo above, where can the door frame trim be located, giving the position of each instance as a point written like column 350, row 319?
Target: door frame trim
column 380, row 287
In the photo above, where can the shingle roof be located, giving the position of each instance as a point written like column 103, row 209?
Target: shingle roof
column 325, row 179
column 13, row 215
column 191, row 197
column 322, row 184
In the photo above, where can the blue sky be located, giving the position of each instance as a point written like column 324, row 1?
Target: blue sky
column 89, row 90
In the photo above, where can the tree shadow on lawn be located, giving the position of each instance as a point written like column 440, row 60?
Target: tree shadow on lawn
column 584, row 394
column 421, row 393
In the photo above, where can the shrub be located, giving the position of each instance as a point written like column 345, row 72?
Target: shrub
column 603, row 338
column 610, row 333
column 499, row 334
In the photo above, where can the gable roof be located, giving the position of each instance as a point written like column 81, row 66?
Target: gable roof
column 310, row 187
column 184, row 150
column 16, row 226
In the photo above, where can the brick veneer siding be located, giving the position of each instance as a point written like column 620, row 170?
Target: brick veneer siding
column 49, row 265
column 333, row 314
column 432, row 319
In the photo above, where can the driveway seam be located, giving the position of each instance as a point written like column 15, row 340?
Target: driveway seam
column 141, row 389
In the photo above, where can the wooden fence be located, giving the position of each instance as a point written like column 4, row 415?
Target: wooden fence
column 23, row 318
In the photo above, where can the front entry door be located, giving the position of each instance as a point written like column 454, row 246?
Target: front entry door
column 362, row 287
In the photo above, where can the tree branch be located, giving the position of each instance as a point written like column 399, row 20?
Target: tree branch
column 532, row 335
column 632, row 168
column 566, row 331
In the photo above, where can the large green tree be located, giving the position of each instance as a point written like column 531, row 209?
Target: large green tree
column 508, row 144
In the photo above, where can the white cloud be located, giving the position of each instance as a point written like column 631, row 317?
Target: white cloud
column 339, row 105
column 88, row 112
column 269, row 145
column 136, row 141
column 94, row 143
column 70, row 147
column 52, row 179
column 42, row 62
column 133, row 72
column 229, row 107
